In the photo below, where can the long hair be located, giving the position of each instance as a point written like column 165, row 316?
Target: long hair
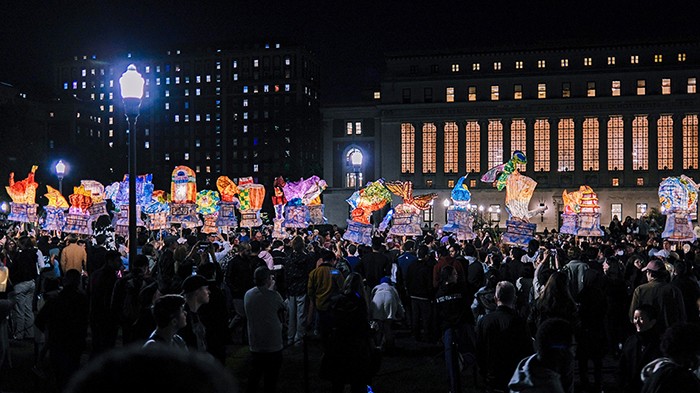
column 556, row 296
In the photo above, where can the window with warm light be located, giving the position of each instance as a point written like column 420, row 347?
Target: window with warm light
column 564, row 63
column 455, row 67
column 541, row 90
column 518, row 65
column 495, row 143
column 692, row 86
column 615, row 88
column 429, row 184
column 690, row 142
column 616, row 211
column 429, row 147
column 377, row 94
column 590, row 89
column 591, row 144
column 565, row 145
column 450, row 94
column 471, row 96
column 541, row 63
column 450, row 184
column 517, row 92
column 588, row 61
column 641, row 87
column 518, row 139
column 658, row 58
column 358, row 128
column 494, row 93
column 542, row 145
column 611, row 60
column 634, row 59
column 640, row 143
column 641, row 207
column 476, row 67
column 681, row 57
column 451, row 147
column 665, row 86
column 566, row 89
column 473, row 146
column 615, row 181
column 616, row 145
column 348, row 128
column 497, row 66
column 664, row 128
column 472, row 183
column 408, row 148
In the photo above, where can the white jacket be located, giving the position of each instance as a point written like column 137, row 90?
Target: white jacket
column 386, row 304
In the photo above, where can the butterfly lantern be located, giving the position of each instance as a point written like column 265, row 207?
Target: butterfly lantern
column 406, row 215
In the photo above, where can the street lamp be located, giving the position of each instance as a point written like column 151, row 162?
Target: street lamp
column 356, row 161
column 131, row 85
column 60, row 171
column 446, row 203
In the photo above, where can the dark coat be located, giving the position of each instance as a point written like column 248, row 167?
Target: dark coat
column 373, row 266
column 66, row 318
column 639, row 350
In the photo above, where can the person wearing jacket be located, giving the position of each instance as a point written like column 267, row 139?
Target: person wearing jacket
column 640, row 348
column 419, row 284
column 678, row 369
column 324, row 282
column 385, row 308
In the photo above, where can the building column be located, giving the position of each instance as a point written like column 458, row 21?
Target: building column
column 653, row 148
column 578, row 150
column 530, row 145
column 418, row 154
column 678, row 142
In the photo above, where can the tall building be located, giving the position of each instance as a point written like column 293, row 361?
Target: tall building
column 242, row 110
column 618, row 118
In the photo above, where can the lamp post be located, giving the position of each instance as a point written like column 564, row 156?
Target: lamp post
column 356, row 161
column 131, row 85
column 446, row 203
column 60, row 171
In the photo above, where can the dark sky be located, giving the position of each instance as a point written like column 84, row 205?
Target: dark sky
column 350, row 37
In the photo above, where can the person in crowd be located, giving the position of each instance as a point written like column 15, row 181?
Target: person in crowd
column 349, row 358
column 125, row 297
column 385, row 308
column 419, row 285
column 239, row 279
column 484, row 299
column 73, row 256
column 445, row 259
column 555, row 302
column 24, row 270
column 678, row 369
column 214, row 314
column 686, row 282
column 551, row 368
column 66, row 317
column 170, row 316
column 658, row 292
column 95, row 254
column 456, row 321
column 639, row 349
column 196, row 292
column 374, row 265
column 575, row 270
column 502, row 339
column 165, row 268
column 279, row 258
column 264, row 309
column 296, row 278
column 325, row 281
column 590, row 332
column 104, row 322
column 476, row 274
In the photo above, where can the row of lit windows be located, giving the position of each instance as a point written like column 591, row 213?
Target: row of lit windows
column 353, row 128
column 266, row 88
column 563, row 63
column 591, row 91
column 565, row 144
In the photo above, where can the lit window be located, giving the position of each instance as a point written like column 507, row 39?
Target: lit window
column 358, row 128
column 187, row 156
column 565, row 145
column 518, row 65
column 286, row 87
column 566, row 89
column 497, row 66
column 208, row 78
column 472, row 93
column 429, row 146
column 158, row 81
column 348, row 128
column 641, row 87
column 256, row 63
column 681, row 57
column 245, row 115
column 187, row 118
column 167, row 81
column 450, row 184
column 167, row 93
column 83, row 72
column 591, row 144
column 177, row 118
column 541, row 90
column 665, row 142
column 245, row 102
column 495, row 143
column 187, row 92
column 634, row 59
column 690, row 142
column 197, row 169
column 665, row 86
column 455, row 67
column 177, row 80
column 377, row 94
column 167, row 156
column 473, row 150
column 587, row 61
column 611, row 60
column 287, row 61
column 518, row 92
column 167, row 106
column 266, row 88
column 494, row 93
column 451, row 147
column 590, row 89
column 564, row 63
column 472, row 183
column 146, row 145
column 542, row 145
column 65, row 86
column 197, row 117
column 518, row 139
column 641, row 207
column 198, row 91
column 692, row 85
column 245, row 89
column 616, row 144
column 83, row 85
column 658, row 58
column 615, row 181
column 450, row 94
column 541, row 64
column 476, row 67
column 408, row 147
column 245, row 129
column 615, row 88
column 640, row 143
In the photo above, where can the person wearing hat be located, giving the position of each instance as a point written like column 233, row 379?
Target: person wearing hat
column 196, row 292
column 667, row 298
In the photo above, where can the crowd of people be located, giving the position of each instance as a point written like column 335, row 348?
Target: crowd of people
column 525, row 317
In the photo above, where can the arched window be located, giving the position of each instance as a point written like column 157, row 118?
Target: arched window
column 353, row 177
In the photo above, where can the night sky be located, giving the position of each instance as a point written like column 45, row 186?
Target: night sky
column 350, row 37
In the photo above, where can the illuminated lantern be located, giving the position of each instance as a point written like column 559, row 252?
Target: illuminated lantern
column 460, row 220
column 23, row 207
column 55, row 218
column 228, row 204
column 251, row 196
column 183, row 187
column 406, row 217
